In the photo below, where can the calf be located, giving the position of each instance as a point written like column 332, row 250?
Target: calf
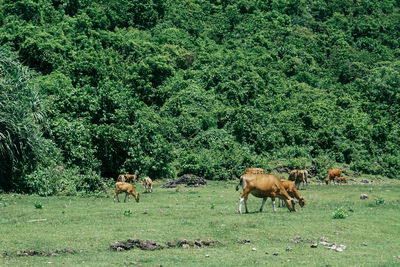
column 341, row 180
column 127, row 188
column 148, row 184
column 263, row 186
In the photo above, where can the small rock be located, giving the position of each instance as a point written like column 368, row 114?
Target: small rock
column 120, row 249
column 324, row 239
column 289, row 249
column 253, row 249
column 266, row 252
column 323, row 243
column 207, row 256
column 185, row 246
column 314, row 245
column 337, row 233
column 363, row 196
column 364, row 181
column 275, row 254
column 363, row 244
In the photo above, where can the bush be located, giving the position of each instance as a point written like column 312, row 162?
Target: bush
column 340, row 214
column 57, row 180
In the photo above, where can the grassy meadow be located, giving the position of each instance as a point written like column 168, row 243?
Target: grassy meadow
column 90, row 224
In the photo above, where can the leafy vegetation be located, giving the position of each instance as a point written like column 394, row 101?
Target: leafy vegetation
column 208, row 87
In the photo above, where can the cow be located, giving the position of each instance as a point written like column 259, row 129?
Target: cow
column 299, row 176
column 127, row 177
column 332, row 173
column 263, row 186
column 148, row 184
column 291, row 189
column 254, row 171
column 127, row 188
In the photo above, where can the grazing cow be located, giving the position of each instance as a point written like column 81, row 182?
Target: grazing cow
column 341, row 180
column 127, row 177
column 299, row 176
column 148, row 184
column 291, row 189
column 332, row 174
column 127, row 188
column 263, row 186
column 254, row 171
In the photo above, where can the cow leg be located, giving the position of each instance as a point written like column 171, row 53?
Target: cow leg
column 273, row 203
column 243, row 198
column 262, row 204
column 126, row 194
column 116, row 195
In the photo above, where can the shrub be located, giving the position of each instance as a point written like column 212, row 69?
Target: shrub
column 340, row 214
column 379, row 201
column 57, row 180
column 38, row 205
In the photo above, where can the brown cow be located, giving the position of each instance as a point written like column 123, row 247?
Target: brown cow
column 254, row 171
column 341, row 180
column 263, row 186
column 299, row 176
column 332, row 174
column 127, row 188
column 293, row 192
column 127, row 177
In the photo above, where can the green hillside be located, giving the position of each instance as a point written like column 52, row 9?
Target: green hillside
column 90, row 89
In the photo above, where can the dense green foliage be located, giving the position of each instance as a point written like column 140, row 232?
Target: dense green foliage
column 162, row 88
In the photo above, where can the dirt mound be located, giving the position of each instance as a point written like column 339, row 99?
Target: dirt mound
column 151, row 245
column 132, row 243
column 189, row 180
column 39, row 252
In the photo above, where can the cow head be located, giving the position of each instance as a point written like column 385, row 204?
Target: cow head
column 302, row 202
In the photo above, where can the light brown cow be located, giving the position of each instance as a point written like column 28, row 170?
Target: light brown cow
column 291, row 189
column 263, row 186
column 148, row 184
column 341, row 180
column 332, row 174
column 127, row 188
column 127, row 177
column 254, row 171
column 299, row 176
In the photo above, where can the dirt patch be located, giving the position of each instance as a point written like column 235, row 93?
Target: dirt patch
column 189, row 180
column 151, row 245
column 132, row 243
column 39, row 252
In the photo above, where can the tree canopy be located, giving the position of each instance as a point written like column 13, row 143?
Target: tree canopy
column 209, row 87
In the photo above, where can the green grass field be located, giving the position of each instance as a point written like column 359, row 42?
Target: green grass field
column 90, row 225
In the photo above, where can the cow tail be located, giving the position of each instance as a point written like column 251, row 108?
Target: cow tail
column 240, row 183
